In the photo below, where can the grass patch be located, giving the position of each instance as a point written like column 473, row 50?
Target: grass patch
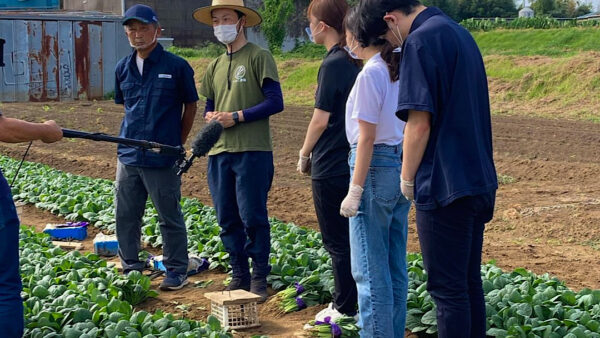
column 549, row 87
column 547, row 42
column 299, row 81
column 206, row 50
column 505, row 179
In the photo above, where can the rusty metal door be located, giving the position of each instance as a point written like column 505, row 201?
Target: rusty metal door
column 59, row 59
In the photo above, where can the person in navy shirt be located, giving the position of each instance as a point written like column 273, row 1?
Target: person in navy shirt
column 11, row 303
column 448, row 168
column 159, row 94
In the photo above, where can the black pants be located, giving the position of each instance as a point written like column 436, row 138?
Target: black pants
column 451, row 240
column 328, row 195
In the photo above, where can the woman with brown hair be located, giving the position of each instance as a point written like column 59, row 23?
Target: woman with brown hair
column 325, row 151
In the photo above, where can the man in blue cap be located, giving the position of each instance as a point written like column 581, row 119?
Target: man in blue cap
column 159, row 94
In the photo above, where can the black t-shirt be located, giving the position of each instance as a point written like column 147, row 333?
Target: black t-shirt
column 335, row 80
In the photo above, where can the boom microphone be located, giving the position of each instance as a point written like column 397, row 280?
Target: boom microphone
column 204, row 141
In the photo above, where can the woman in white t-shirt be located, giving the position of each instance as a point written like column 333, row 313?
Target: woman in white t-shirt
column 378, row 212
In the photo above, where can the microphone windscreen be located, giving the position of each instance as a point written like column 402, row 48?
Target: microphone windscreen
column 206, row 138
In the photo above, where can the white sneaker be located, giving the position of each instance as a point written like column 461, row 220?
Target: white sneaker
column 329, row 311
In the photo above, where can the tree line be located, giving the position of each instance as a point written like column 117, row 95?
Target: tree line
column 465, row 9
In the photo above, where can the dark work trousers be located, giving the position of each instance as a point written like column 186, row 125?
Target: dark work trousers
column 328, row 195
column 133, row 186
column 239, row 185
column 451, row 240
column 11, row 304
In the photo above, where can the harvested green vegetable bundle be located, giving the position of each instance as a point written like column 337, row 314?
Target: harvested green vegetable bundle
column 343, row 327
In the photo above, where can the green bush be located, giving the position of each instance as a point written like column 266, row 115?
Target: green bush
column 306, row 50
column 275, row 14
column 524, row 23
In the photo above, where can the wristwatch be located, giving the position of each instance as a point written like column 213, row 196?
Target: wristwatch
column 236, row 117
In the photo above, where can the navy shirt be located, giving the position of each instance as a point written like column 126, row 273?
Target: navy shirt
column 153, row 104
column 335, row 80
column 442, row 73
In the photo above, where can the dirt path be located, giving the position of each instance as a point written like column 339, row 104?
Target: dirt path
column 547, row 216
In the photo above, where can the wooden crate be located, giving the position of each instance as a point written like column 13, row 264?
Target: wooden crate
column 236, row 309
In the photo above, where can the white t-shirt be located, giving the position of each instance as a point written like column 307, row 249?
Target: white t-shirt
column 140, row 63
column 374, row 99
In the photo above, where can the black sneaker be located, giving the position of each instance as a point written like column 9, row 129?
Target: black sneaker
column 258, row 286
column 173, row 281
column 239, row 283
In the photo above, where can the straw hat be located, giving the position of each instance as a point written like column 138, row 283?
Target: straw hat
column 203, row 14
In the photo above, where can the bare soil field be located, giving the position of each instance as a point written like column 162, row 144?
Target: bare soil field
column 547, row 216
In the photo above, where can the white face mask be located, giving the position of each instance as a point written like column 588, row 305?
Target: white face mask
column 351, row 51
column 226, row 34
column 311, row 35
column 146, row 45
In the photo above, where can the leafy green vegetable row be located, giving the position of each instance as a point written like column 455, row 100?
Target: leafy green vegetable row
column 519, row 304
column 75, row 295
column 295, row 252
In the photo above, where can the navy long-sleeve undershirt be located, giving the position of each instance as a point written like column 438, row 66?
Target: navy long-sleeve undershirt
column 272, row 104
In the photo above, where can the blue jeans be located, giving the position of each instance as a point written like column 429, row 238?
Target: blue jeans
column 11, row 304
column 451, row 240
column 378, row 246
column 133, row 186
column 239, row 185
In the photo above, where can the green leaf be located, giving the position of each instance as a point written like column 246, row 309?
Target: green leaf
column 495, row 332
column 430, row 318
column 568, row 297
column 81, row 315
column 593, row 325
column 524, row 309
column 213, row 323
column 40, row 291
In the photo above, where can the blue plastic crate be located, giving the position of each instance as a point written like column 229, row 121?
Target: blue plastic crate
column 106, row 245
column 68, row 231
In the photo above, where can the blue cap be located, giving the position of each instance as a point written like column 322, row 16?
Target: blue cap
column 141, row 13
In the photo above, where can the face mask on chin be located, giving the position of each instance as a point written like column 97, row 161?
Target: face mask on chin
column 226, row 34
column 398, row 36
column 146, row 45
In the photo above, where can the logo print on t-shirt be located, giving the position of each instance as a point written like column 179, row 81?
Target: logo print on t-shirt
column 240, row 73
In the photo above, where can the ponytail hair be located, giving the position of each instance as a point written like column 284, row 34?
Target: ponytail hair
column 392, row 59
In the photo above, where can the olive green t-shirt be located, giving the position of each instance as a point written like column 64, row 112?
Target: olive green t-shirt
column 249, row 67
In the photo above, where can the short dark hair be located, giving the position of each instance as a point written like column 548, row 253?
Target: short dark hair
column 380, row 7
column 239, row 14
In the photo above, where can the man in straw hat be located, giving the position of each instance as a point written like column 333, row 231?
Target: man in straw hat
column 242, row 90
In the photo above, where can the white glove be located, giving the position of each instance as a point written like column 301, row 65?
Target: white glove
column 303, row 164
column 350, row 204
column 408, row 189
